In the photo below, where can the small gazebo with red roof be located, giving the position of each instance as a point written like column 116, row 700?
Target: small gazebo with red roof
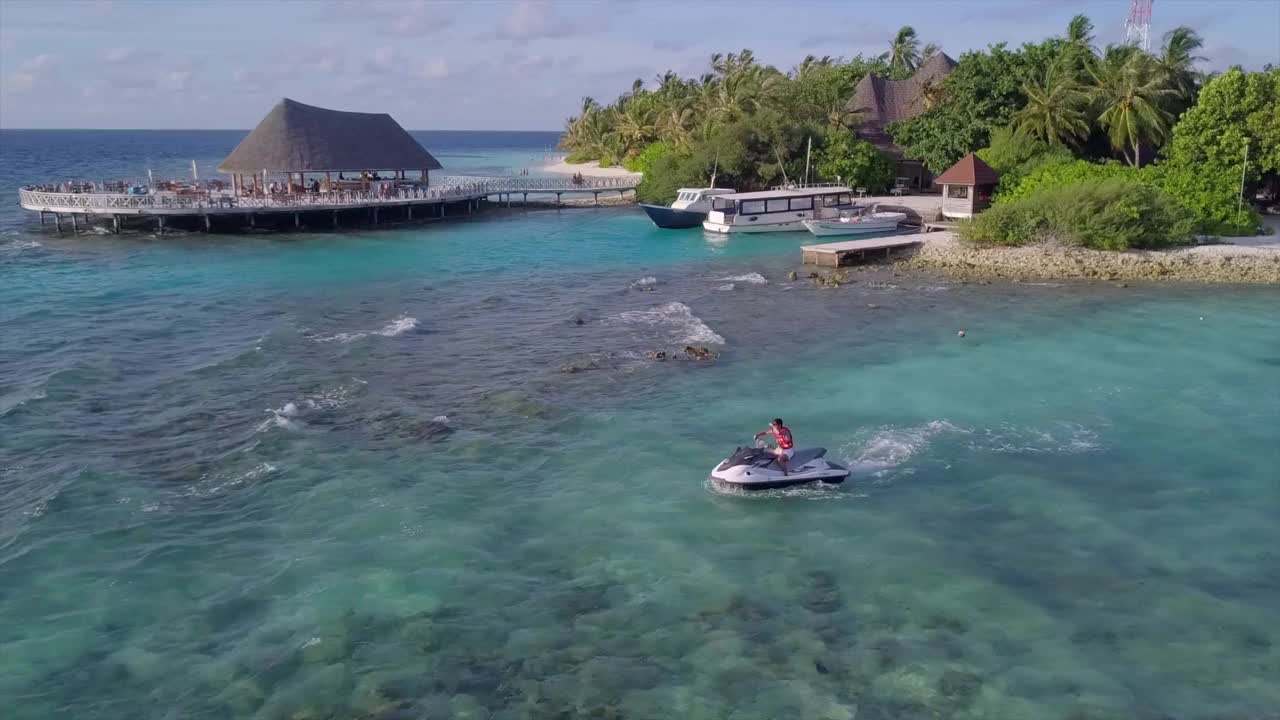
column 967, row 187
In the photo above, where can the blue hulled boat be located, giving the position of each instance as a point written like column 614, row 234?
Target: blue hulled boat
column 689, row 209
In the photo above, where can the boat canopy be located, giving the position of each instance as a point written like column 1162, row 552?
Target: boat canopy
column 787, row 193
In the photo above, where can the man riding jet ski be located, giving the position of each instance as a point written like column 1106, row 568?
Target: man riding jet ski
column 761, row 468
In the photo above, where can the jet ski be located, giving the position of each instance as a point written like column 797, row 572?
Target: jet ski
column 756, row 468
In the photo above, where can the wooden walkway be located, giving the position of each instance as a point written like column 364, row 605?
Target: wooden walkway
column 205, row 207
column 837, row 253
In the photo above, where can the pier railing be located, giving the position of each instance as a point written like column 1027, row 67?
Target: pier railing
column 454, row 187
column 533, row 184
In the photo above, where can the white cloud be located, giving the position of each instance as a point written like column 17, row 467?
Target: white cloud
column 249, row 79
column 122, row 54
column 385, row 60
column 177, row 81
column 532, row 20
column 420, row 18
column 324, row 59
column 434, row 70
column 36, row 71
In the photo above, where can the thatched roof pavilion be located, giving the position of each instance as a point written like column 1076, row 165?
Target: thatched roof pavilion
column 878, row 101
column 295, row 138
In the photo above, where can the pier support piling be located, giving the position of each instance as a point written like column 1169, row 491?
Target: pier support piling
column 526, row 199
column 74, row 224
column 375, row 216
column 41, row 217
column 410, row 208
column 253, row 219
column 335, row 219
column 557, row 199
column 297, row 221
column 115, row 224
column 597, row 194
column 57, row 221
column 208, row 225
column 159, row 224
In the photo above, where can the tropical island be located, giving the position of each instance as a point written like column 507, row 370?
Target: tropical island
column 1108, row 149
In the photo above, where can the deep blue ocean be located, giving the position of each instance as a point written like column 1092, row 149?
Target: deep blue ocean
column 430, row 472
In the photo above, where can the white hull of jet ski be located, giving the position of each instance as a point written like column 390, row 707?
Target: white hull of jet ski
column 757, row 469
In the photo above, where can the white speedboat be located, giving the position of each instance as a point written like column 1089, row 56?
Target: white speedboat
column 856, row 223
column 689, row 209
column 782, row 209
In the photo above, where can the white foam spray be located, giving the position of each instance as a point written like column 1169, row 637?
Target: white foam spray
column 753, row 278
column 686, row 327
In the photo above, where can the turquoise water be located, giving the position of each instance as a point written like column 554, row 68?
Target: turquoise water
column 228, row 487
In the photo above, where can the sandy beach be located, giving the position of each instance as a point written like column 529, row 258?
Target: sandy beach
column 591, row 169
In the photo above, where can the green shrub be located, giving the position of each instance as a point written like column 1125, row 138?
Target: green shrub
column 641, row 161
column 854, row 162
column 1209, row 193
column 1014, row 155
column 1117, row 213
column 1055, row 172
column 667, row 175
column 580, row 156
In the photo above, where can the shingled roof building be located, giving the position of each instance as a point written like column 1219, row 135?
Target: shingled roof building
column 967, row 187
column 295, row 139
column 878, row 101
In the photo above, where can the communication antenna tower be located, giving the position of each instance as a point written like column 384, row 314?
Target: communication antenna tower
column 1137, row 29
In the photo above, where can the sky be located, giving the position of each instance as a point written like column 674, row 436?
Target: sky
column 486, row 65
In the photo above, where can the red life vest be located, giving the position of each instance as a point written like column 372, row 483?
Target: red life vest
column 783, row 436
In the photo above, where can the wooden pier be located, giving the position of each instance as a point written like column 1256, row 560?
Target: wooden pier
column 282, row 177
column 842, row 253
column 213, row 210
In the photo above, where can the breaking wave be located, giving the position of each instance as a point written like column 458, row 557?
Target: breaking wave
column 399, row 326
column 753, row 278
column 686, row 327
column 290, row 416
column 213, row 484
column 13, row 247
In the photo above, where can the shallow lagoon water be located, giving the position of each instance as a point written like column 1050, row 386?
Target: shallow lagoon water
column 228, row 487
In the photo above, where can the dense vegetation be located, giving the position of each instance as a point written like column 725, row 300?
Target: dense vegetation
column 1060, row 118
column 750, row 123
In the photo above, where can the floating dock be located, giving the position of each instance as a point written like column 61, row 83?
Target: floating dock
column 842, row 253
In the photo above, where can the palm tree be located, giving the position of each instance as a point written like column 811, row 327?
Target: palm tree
column 929, row 51
column 931, row 92
column 812, row 64
column 1177, row 61
column 1080, row 33
column 903, row 54
column 1055, row 109
column 1131, row 91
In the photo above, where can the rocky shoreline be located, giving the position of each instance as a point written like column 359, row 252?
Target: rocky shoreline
column 942, row 252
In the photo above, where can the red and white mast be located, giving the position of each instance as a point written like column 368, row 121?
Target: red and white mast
column 1137, row 29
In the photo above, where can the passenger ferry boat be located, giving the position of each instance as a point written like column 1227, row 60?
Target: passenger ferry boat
column 689, row 209
column 782, row 209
